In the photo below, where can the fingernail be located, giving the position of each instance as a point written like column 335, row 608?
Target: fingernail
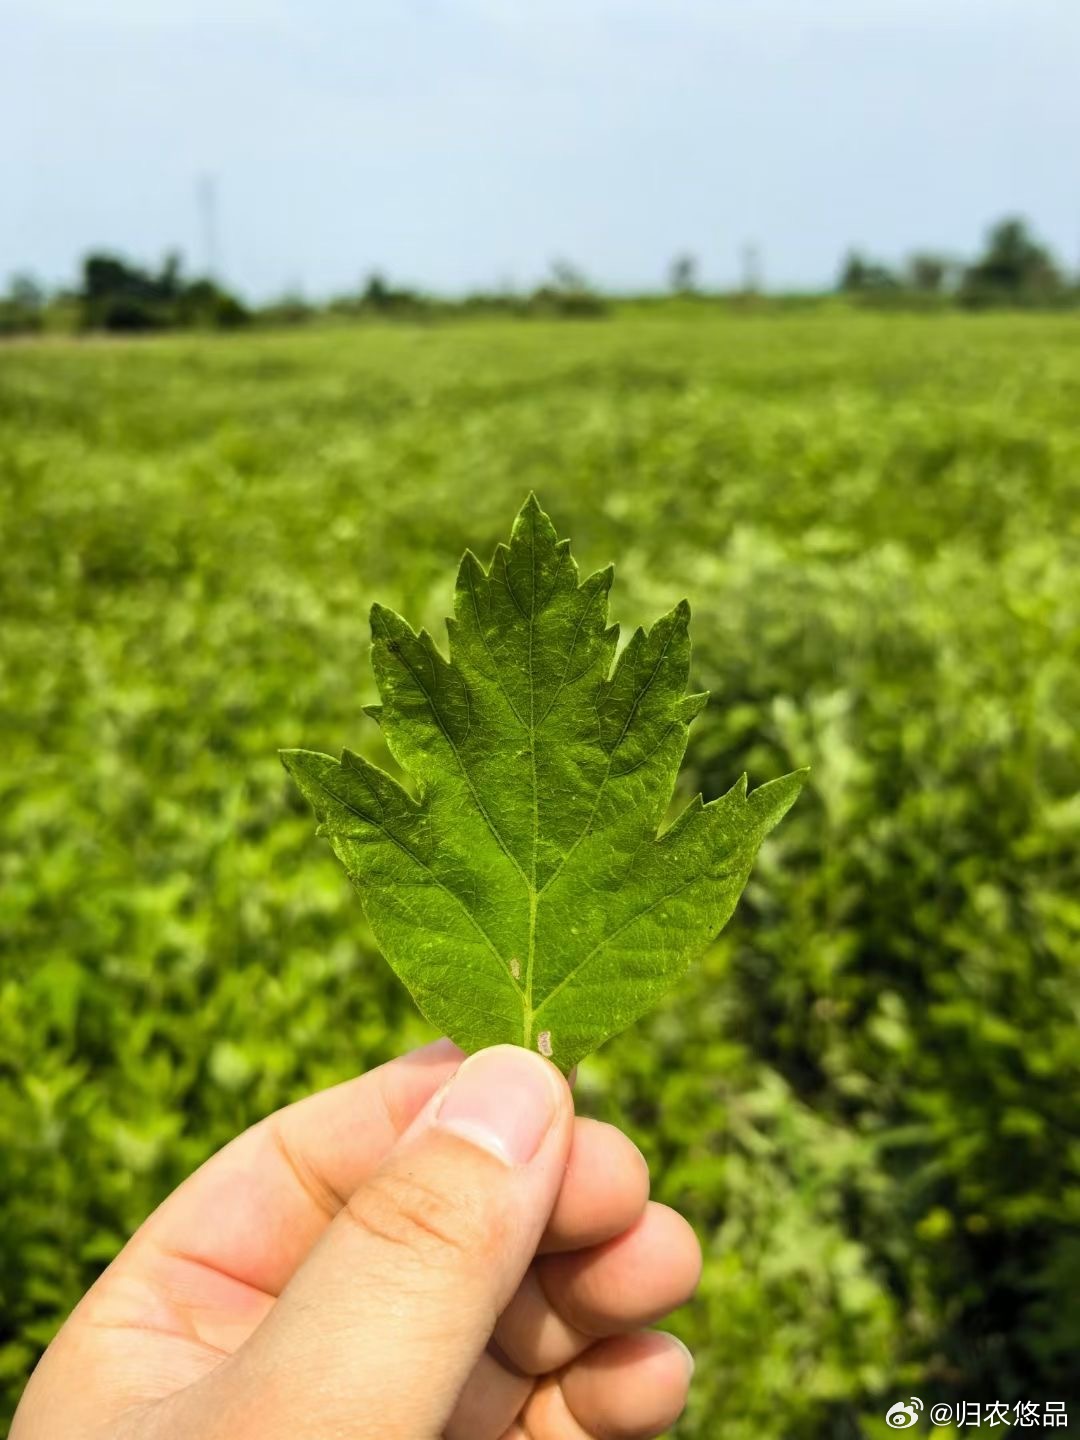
column 504, row 1100
column 688, row 1354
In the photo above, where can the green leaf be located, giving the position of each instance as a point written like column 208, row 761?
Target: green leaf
column 529, row 895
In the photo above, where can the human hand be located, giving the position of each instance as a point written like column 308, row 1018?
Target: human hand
column 435, row 1249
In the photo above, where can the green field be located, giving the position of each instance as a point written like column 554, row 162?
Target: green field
column 867, row 1096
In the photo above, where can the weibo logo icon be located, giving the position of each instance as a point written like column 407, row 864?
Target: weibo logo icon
column 901, row 1416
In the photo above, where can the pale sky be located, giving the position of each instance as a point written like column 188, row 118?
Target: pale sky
column 461, row 143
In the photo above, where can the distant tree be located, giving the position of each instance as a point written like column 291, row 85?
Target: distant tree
column 377, row 292
column 380, row 296
column 22, row 308
column 860, row 275
column 1013, row 269
column 26, row 292
column 205, row 306
column 683, row 275
column 119, row 296
column 290, row 308
column 567, row 293
column 116, row 295
column 852, row 272
column 569, row 278
column 928, row 273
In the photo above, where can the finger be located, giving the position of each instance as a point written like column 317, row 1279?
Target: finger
column 567, row 1301
column 627, row 1388
column 201, row 1273
column 629, row 1282
column 274, row 1189
column 220, row 1282
column 533, row 1335
column 604, row 1191
column 490, row 1402
column 389, row 1314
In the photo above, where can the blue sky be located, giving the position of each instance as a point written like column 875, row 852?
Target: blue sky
column 458, row 143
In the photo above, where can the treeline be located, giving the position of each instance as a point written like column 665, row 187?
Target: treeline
column 117, row 296
column 1013, row 270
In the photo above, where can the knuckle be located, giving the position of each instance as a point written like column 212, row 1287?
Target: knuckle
column 430, row 1223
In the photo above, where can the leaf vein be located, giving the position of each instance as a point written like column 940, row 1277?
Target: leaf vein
column 491, row 657
column 422, row 863
column 590, row 822
column 573, row 646
column 495, row 833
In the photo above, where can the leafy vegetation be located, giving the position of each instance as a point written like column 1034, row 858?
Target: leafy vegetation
column 866, row 1096
column 524, row 895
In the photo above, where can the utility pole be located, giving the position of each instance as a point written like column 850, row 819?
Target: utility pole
column 206, row 199
column 751, row 269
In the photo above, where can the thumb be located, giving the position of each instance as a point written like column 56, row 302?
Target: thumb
column 379, row 1329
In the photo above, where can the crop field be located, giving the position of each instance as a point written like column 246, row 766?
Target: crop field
column 866, row 1097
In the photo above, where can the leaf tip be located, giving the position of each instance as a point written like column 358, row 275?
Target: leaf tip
column 775, row 798
column 691, row 706
column 305, row 768
column 471, row 565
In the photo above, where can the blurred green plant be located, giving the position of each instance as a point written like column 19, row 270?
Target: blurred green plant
column 866, row 1097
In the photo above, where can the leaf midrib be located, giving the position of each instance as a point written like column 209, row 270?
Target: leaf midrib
column 533, row 893
column 527, row 1019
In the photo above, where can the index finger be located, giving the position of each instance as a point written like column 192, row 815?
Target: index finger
column 254, row 1210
